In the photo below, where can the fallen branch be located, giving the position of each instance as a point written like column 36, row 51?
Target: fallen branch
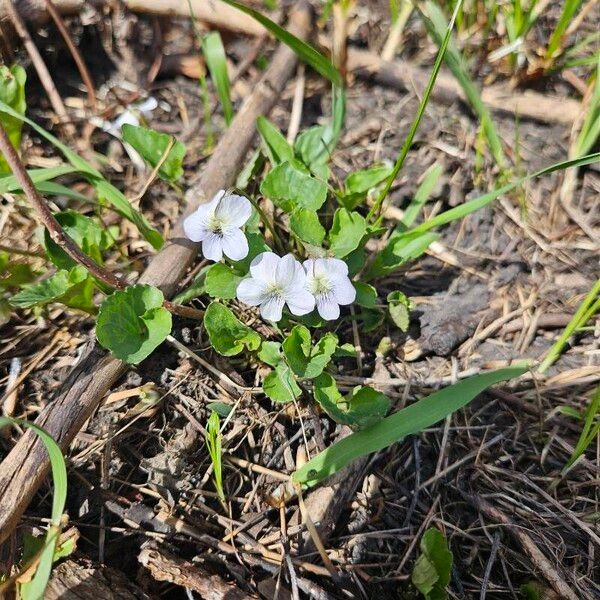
column 36, row 11
column 84, row 579
column 77, row 57
column 216, row 14
column 25, row 467
column 166, row 567
column 326, row 503
column 550, row 321
column 212, row 12
column 404, row 76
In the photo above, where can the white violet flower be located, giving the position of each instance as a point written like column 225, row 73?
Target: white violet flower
column 327, row 280
column 276, row 281
column 217, row 225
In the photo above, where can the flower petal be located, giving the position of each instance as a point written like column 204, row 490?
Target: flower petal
column 309, row 266
column 334, row 267
column 194, row 227
column 207, row 209
column 252, row 291
column 272, row 308
column 328, row 308
column 234, row 210
column 264, row 266
column 300, row 302
column 290, row 273
column 215, row 199
column 343, row 291
column 212, row 247
column 235, row 244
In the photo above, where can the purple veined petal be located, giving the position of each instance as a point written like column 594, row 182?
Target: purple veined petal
column 212, row 247
column 252, row 291
column 311, row 275
column 272, row 308
column 234, row 210
column 194, row 228
column 327, row 307
column 300, row 302
column 235, row 244
column 315, row 267
column 290, row 273
column 343, row 291
column 264, row 266
column 309, row 266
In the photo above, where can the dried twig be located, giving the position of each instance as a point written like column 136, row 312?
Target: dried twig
column 404, row 76
column 40, row 67
column 219, row 15
column 81, row 66
column 47, row 218
column 530, row 547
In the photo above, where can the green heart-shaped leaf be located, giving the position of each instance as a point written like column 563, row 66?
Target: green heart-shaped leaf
column 227, row 334
column 133, row 322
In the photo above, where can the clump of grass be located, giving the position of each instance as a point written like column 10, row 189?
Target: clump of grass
column 216, row 61
column 509, row 23
column 214, row 55
column 444, row 41
column 556, row 41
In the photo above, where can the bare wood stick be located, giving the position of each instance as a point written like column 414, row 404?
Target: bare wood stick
column 404, row 76
column 217, row 14
column 326, row 503
column 40, row 67
column 35, row 11
column 84, row 579
column 211, row 12
column 547, row 321
column 48, row 220
column 25, row 467
column 166, row 567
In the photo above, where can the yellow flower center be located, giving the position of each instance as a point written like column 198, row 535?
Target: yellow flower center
column 215, row 224
column 321, row 285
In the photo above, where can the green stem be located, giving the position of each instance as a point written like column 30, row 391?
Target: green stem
column 267, row 223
